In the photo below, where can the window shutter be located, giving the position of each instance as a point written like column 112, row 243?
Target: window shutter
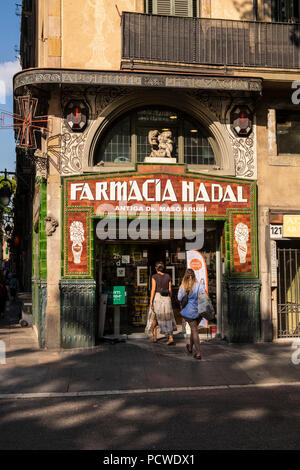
column 183, row 7
column 173, row 7
column 162, row 7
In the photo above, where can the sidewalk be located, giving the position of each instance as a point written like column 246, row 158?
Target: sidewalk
column 137, row 364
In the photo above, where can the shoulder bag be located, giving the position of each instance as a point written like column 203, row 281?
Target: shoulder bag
column 205, row 307
column 185, row 299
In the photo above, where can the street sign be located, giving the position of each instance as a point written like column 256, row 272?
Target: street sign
column 275, row 231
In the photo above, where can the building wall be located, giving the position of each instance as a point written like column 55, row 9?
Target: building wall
column 88, row 36
column 278, row 183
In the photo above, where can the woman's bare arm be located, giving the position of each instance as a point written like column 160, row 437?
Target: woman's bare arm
column 153, row 287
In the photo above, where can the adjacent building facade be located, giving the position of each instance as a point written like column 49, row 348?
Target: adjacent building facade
column 144, row 119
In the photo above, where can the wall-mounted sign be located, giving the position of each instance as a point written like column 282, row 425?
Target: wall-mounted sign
column 241, row 121
column 291, row 226
column 76, row 115
column 169, row 191
column 158, row 194
column 27, row 123
column 275, row 231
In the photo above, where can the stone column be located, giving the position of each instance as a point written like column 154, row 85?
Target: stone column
column 264, row 274
column 52, row 336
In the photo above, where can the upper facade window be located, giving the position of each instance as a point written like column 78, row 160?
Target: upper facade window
column 288, row 132
column 130, row 139
column 286, row 10
column 172, row 7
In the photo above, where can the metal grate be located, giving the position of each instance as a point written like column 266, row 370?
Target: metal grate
column 209, row 41
column 288, row 292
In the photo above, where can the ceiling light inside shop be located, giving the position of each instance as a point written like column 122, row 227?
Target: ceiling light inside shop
column 194, row 130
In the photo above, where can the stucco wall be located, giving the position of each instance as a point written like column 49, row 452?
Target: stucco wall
column 87, row 35
column 232, row 9
column 278, row 183
column 92, row 39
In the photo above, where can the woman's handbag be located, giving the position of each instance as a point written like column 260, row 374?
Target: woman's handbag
column 185, row 299
column 205, row 307
column 164, row 292
column 150, row 318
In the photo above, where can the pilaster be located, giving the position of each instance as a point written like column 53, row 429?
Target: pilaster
column 241, row 310
column 78, row 318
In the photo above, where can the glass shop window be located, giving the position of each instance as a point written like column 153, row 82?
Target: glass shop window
column 142, row 133
column 288, row 132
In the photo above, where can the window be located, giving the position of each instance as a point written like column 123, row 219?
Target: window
column 127, row 140
column 288, row 132
column 286, row 10
column 172, row 7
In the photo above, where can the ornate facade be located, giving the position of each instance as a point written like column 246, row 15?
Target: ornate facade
column 136, row 134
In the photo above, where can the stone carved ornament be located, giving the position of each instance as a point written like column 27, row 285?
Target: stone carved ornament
column 50, row 225
column 161, row 143
column 72, row 144
column 72, row 148
column 244, row 149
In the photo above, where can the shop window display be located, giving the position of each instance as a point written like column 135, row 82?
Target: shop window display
column 132, row 264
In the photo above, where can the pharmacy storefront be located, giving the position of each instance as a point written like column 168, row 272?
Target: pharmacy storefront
column 116, row 226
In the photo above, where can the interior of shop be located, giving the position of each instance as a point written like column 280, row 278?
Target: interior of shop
column 124, row 270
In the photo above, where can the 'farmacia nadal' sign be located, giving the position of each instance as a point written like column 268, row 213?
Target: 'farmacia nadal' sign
column 139, row 192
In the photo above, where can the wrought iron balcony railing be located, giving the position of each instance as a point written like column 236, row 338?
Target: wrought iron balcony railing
column 204, row 41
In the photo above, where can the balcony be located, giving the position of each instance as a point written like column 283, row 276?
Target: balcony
column 201, row 41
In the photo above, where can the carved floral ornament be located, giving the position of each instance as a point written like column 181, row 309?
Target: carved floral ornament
column 68, row 156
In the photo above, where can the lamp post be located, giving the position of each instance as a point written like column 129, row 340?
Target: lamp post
column 6, row 190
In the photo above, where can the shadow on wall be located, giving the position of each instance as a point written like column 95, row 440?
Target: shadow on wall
column 245, row 9
column 247, row 12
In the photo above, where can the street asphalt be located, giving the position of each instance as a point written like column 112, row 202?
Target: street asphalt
column 140, row 395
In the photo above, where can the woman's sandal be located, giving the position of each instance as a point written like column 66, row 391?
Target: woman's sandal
column 197, row 357
column 188, row 349
column 170, row 343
